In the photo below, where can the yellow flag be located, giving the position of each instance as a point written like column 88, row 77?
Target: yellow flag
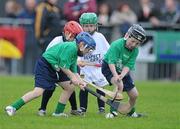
column 8, row 50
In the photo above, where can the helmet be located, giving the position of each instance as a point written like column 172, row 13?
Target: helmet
column 87, row 39
column 137, row 32
column 88, row 18
column 73, row 27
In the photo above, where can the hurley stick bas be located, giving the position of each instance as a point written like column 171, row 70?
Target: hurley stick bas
column 121, row 107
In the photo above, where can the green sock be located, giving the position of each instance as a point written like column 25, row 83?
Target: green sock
column 132, row 111
column 18, row 104
column 60, row 108
column 112, row 109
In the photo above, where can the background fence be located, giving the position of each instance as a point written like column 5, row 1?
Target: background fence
column 159, row 56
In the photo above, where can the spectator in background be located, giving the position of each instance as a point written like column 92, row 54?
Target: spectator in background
column 104, row 14
column 47, row 22
column 171, row 12
column 74, row 8
column 123, row 17
column 148, row 13
column 12, row 9
column 29, row 10
column 170, row 15
column 31, row 48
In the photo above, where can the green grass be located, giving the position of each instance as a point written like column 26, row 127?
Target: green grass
column 159, row 100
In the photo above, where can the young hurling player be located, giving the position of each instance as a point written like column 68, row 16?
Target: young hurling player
column 59, row 58
column 91, row 63
column 71, row 29
column 120, row 59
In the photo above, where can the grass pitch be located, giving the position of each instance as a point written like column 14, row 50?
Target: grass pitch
column 159, row 100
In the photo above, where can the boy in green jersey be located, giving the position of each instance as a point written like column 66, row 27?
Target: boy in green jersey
column 71, row 29
column 120, row 59
column 61, row 58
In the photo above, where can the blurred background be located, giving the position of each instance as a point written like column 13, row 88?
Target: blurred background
column 25, row 26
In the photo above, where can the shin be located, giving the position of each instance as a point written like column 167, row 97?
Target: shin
column 36, row 92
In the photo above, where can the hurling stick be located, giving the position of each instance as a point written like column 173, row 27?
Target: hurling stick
column 85, row 63
column 107, row 92
column 121, row 107
column 92, row 64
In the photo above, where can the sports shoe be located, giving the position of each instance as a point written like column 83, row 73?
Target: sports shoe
column 76, row 113
column 41, row 112
column 10, row 110
column 59, row 115
column 111, row 115
column 82, row 112
column 136, row 115
column 115, row 114
column 101, row 110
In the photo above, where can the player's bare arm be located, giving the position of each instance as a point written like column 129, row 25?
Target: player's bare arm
column 113, row 69
column 82, row 84
column 115, row 79
column 71, row 75
column 125, row 70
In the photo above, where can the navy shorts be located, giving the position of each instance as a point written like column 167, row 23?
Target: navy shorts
column 127, row 80
column 46, row 76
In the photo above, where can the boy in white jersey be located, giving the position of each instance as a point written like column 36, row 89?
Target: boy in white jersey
column 71, row 29
column 90, row 64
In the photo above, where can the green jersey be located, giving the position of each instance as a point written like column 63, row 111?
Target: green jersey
column 62, row 55
column 119, row 55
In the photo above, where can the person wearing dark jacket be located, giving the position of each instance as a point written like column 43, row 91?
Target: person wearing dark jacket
column 47, row 22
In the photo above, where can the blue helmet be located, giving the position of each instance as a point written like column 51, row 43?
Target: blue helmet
column 87, row 39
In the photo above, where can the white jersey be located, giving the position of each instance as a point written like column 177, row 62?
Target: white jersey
column 55, row 41
column 93, row 73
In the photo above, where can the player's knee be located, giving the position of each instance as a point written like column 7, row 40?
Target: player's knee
column 135, row 95
column 70, row 88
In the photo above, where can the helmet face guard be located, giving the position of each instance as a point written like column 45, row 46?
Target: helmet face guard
column 137, row 32
column 87, row 39
column 90, row 48
column 89, row 18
